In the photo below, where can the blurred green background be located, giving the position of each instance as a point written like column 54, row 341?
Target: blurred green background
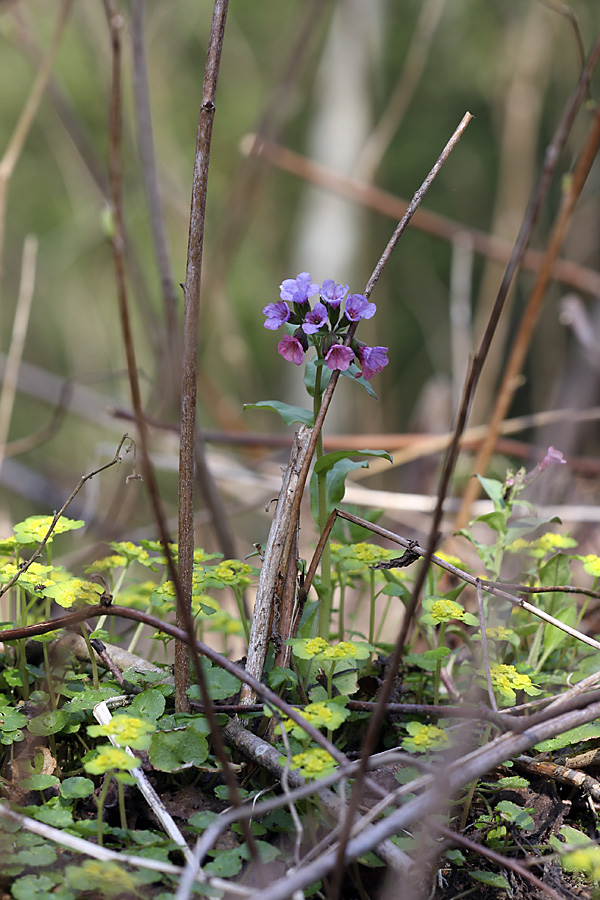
column 321, row 77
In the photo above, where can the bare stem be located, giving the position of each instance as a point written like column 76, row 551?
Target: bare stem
column 189, row 382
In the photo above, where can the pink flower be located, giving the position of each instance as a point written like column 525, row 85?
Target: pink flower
column 291, row 349
column 553, row 457
column 339, row 357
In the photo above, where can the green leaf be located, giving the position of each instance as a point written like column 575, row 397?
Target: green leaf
column 34, row 529
column 335, row 485
column 511, row 781
column 290, row 414
column 49, row 722
column 427, row 660
column 586, row 732
column 516, row 815
column 310, row 371
column 39, row 854
column 328, row 461
column 267, row 852
column 553, row 636
column 202, row 819
column 11, row 720
column 282, row 677
column 39, row 887
column 57, row 816
column 494, row 520
column 89, row 699
column 226, row 863
column 495, row 490
column 39, row 782
column 493, row 879
column 221, row 684
column 525, row 525
column 149, row 704
column 173, row 750
column 76, row 788
column 352, row 372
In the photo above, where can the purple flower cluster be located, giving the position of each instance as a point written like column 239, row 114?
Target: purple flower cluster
column 324, row 325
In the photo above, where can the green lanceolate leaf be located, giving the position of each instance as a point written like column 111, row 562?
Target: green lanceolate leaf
column 329, row 460
column 290, row 414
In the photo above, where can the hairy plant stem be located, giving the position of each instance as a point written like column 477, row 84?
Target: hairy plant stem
column 373, row 598
column 325, row 592
column 438, row 667
column 100, row 803
column 94, row 664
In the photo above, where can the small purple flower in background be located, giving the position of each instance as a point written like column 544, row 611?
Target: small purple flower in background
column 372, row 360
column 291, row 349
column 277, row 314
column 552, row 458
column 298, row 290
column 315, row 319
column 358, row 307
column 333, row 293
column 339, row 357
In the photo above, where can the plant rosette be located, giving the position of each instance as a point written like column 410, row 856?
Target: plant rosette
column 439, row 610
column 424, row 738
column 507, row 681
column 328, row 714
column 311, row 764
column 319, row 649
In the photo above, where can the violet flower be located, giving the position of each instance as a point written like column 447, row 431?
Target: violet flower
column 277, row 314
column 333, row 293
column 358, row 307
column 291, row 349
column 315, row 319
column 372, row 360
column 298, row 290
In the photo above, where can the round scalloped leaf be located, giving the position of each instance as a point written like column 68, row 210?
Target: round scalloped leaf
column 173, row 750
column 49, row 722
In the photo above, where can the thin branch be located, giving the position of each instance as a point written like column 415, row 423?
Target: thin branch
column 376, row 718
column 490, row 587
column 173, row 631
column 26, row 119
column 189, row 382
column 157, row 222
column 17, row 342
column 399, row 101
column 522, row 339
column 449, row 778
column 568, row 272
column 416, row 201
column 504, row 862
column 530, row 218
column 563, row 10
column 484, row 646
column 115, row 23
column 116, row 458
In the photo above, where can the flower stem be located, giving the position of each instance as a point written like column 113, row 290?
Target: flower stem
column 239, row 599
column 372, row 608
column 100, row 803
column 325, row 598
column 438, row 668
